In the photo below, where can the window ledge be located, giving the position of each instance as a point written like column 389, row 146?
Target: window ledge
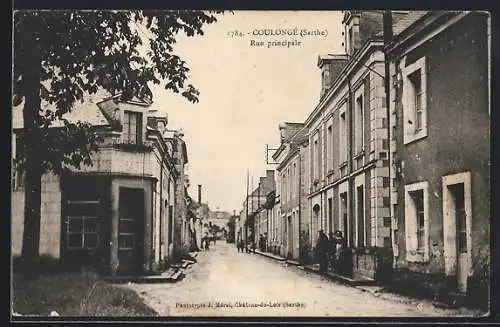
column 343, row 164
column 416, row 137
column 330, row 172
column 418, row 257
column 133, row 147
column 359, row 154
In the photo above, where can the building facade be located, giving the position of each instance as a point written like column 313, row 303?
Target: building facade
column 349, row 149
column 294, row 218
column 118, row 214
column 440, row 119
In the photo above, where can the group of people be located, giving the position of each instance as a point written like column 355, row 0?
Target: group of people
column 205, row 241
column 330, row 250
column 263, row 242
column 245, row 247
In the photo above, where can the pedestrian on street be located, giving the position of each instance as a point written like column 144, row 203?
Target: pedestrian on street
column 331, row 249
column 322, row 251
column 206, row 241
column 339, row 250
column 253, row 247
column 240, row 246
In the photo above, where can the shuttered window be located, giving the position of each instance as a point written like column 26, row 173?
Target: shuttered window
column 417, row 222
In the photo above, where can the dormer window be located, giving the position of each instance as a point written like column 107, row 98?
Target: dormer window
column 132, row 127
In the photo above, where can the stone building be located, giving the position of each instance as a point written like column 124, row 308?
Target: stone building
column 120, row 213
column 349, row 148
column 291, row 157
column 253, row 217
column 440, row 148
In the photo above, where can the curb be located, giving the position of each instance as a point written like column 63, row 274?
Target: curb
column 270, row 256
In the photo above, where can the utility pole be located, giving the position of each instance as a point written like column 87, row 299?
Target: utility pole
column 246, row 217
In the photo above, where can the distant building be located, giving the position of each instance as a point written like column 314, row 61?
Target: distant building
column 294, row 219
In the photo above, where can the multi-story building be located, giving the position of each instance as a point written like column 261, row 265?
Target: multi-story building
column 349, row 148
column 294, row 217
column 258, row 213
column 119, row 213
column 440, row 147
column 251, row 216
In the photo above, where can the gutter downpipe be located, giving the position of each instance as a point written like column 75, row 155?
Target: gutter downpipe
column 350, row 165
column 388, row 34
column 301, row 258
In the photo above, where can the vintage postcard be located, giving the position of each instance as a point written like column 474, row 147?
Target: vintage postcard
column 250, row 163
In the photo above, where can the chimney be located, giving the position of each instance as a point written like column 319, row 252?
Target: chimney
column 330, row 66
column 199, row 193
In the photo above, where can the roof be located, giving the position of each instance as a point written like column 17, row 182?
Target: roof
column 295, row 141
column 87, row 112
column 405, row 21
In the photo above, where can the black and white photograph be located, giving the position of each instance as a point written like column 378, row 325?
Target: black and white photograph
column 250, row 163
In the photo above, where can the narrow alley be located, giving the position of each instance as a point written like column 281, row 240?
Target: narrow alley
column 226, row 283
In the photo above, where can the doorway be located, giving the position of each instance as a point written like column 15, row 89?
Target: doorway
column 131, row 230
column 457, row 227
column 344, row 217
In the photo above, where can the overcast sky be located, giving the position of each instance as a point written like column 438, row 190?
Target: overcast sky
column 246, row 91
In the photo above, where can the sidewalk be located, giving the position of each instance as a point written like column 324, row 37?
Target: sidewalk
column 342, row 279
column 173, row 274
column 369, row 286
column 270, row 255
column 315, row 269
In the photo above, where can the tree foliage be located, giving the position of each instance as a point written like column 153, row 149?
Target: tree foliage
column 60, row 57
column 81, row 52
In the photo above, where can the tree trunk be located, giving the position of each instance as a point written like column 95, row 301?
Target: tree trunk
column 32, row 182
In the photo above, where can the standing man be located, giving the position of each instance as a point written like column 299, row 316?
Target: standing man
column 331, row 250
column 322, row 251
column 339, row 251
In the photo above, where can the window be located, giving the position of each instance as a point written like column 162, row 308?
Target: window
column 344, row 221
column 360, row 215
column 82, row 232
column 288, row 184
column 330, row 214
column 415, row 101
column 418, row 200
column 329, row 149
column 315, row 155
column 132, row 127
column 343, row 137
column 283, row 186
column 416, row 222
column 460, row 217
column 359, row 123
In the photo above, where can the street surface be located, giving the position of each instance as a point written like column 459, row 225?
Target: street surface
column 226, row 283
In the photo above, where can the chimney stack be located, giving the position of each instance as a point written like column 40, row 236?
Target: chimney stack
column 331, row 66
column 199, row 193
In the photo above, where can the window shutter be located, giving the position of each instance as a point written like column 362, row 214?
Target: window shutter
column 410, row 228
